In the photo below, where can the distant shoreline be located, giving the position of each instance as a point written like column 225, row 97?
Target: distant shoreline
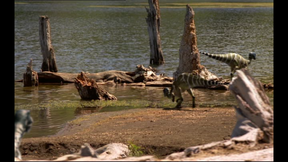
column 140, row 4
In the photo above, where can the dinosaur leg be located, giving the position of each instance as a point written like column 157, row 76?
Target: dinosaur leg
column 190, row 91
column 180, row 99
column 179, row 102
column 172, row 93
column 232, row 72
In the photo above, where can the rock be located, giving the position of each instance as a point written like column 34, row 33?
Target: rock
column 112, row 151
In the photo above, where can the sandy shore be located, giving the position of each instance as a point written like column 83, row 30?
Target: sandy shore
column 157, row 131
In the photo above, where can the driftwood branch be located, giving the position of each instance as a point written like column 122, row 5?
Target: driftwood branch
column 254, row 105
column 89, row 90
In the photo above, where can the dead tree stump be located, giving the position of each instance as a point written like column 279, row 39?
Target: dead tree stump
column 153, row 22
column 49, row 61
column 89, row 90
column 189, row 57
column 254, row 105
column 30, row 78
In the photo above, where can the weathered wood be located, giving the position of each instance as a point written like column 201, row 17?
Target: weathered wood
column 189, row 57
column 268, row 85
column 49, row 61
column 30, row 78
column 51, row 77
column 153, row 22
column 141, row 74
column 89, row 90
column 253, row 103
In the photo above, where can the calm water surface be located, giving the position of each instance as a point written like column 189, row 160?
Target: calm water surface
column 93, row 39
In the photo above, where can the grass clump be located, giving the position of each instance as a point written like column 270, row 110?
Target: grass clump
column 135, row 150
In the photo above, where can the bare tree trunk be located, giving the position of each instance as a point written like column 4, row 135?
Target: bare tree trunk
column 30, row 78
column 153, row 22
column 254, row 105
column 89, row 90
column 189, row 57
column 49, row 61
column 188, row 51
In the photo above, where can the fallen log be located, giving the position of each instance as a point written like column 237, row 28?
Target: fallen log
column 140, row 75
column 89, row 90
column 51, row 77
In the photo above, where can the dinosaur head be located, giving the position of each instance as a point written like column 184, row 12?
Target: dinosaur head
column 252, row 55
column 22, row 117
column 166, row 92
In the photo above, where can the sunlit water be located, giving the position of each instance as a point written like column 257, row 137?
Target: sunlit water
column 93, row 39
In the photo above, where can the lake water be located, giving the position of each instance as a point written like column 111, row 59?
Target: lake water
column 86, row 37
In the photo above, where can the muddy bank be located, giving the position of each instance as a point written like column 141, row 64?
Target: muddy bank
column 157, row 131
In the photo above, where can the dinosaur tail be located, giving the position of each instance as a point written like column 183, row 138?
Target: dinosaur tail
column 221, row 57
column 198, row 81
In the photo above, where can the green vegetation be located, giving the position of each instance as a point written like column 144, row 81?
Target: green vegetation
column 134, row 149
column 50, row 104
column 106, row 105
